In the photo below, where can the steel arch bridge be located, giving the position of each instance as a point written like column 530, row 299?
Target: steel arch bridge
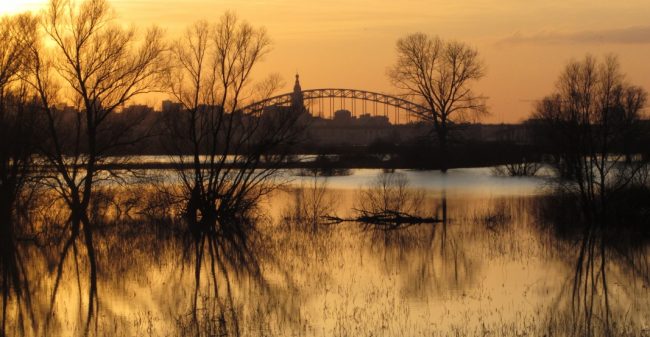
column 342, row 95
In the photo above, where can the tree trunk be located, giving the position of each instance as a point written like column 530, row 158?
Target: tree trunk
column 444, row 151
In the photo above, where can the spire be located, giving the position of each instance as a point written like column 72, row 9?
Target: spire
column 297, row 100
column 296, row 86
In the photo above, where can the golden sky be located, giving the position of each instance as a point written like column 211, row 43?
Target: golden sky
column 350, row 43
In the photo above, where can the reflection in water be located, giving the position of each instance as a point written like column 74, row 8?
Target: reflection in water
column 601, row 250
column 497, row 266
column 17, row 311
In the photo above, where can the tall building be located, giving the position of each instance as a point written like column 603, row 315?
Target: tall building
column 297, row 100
column 297, row 106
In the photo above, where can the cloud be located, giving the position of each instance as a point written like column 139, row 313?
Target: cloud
column 629, row 35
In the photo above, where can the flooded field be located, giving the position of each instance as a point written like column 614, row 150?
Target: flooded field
column 491, row 264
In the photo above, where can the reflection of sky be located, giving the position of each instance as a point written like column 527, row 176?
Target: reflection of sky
column 479, row 181
column 415, row 283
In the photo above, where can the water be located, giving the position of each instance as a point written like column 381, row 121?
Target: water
column 467, row 181
column 491, row 268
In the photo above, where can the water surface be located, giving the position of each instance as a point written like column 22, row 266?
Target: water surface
column 489, row 268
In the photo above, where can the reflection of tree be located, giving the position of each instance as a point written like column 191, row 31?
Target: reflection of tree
column 596, row 259
column 227, row 269
column 626, row 307
column 439, row 264
column 431, row 254
column 224, row 272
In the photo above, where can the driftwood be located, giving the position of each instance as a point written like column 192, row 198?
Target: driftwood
column 384, row 220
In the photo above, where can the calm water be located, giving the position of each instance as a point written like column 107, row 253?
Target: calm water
column 489, row 269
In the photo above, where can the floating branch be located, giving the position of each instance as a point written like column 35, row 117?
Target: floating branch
column 384, row 220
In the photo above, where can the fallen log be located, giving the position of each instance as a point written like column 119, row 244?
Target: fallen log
column 384, row 220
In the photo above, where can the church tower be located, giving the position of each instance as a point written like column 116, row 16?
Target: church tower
column 297, row 100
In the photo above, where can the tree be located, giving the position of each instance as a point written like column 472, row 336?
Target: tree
column 18, row 136
column 96, row 66
column 588, row 124
column 439, row 73
column 232, row 155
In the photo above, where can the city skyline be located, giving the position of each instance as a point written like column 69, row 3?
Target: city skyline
column 351, row 44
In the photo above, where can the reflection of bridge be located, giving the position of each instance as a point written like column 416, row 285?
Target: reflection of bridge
column 324, row 102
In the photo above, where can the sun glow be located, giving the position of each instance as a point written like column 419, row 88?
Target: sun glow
column 9, row 7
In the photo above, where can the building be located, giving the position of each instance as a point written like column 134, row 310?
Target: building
column 170, row 106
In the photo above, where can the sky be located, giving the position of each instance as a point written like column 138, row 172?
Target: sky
column 350, row 44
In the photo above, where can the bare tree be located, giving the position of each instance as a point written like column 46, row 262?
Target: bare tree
column 311, row 204
column 440, row 74
column 388, row 203
column 521, row 168
column 588, row 122
column 95, row 66
column 227, row 158
column 18, row 129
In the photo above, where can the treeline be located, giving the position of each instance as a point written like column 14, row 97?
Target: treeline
column 76, row 54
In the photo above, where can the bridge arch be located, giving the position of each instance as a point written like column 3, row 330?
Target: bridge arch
column 411, row 108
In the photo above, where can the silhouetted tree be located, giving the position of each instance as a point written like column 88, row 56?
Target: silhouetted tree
column 519, row 168
column 388, row 204
column 96, row 66
column 311, row 204
column 587, row 123
column 439, row 73
column 234, row 155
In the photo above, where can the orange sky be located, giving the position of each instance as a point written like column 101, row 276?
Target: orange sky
column 350, row 43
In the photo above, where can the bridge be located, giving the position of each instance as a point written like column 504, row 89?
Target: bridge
column 324, row 102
